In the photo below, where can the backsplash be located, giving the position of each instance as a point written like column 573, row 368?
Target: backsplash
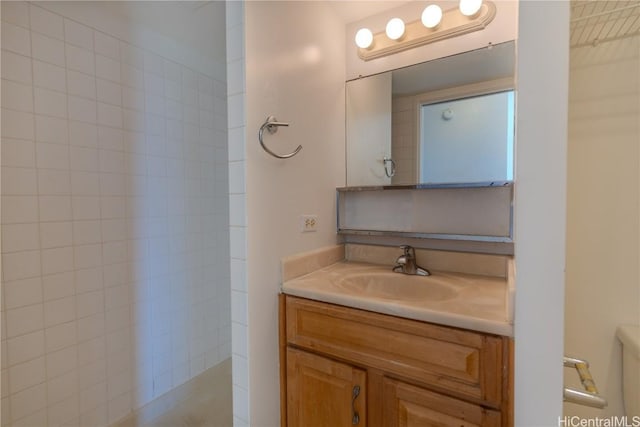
column 459, row 262
column 478, row 215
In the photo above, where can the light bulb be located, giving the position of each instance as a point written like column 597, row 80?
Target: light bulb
column 470, row 7
column 364, row 38
column 395, row 28
column 431, row 16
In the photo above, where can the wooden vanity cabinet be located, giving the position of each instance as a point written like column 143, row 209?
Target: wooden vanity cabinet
column 339, row 362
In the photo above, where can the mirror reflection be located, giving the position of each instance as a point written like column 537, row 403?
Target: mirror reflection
column 450, row 120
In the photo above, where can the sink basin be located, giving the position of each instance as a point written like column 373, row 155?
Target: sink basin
column 395, row 286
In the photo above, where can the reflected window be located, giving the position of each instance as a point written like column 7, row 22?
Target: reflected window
column 467, row 140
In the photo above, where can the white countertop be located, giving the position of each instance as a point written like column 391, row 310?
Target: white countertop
column 479, row 303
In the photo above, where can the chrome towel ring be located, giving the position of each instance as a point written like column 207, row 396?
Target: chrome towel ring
column 272, row 124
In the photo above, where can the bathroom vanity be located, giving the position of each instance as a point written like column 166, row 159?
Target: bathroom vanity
column 360, row 348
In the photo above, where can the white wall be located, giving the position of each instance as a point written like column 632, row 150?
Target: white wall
column 298, row 76
column 295, row 71
column 114, row 216
column 541, row 132
column 603, row 276
column 368, row 122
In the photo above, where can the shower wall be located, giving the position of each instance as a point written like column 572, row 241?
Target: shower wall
column 115, row 264
column 603, row 201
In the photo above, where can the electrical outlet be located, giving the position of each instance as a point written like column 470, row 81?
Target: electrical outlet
column 308, row 223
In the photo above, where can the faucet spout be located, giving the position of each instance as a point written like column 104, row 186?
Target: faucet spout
column 406, row 263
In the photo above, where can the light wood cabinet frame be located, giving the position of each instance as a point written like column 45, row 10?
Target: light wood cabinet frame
column 466, row 366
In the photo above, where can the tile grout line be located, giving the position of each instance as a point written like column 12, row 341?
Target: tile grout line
column 71, row 221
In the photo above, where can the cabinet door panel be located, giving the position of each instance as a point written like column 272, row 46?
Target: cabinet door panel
column 320, row 392
column 410, row 406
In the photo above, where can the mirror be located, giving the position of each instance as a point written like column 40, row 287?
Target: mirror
column 446, row 121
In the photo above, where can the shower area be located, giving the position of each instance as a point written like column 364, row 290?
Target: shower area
column 603, row 195
column 115, row 214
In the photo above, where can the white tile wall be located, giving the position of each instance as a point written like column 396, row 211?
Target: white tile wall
column 115, row 239
column 238, row 223
column 404, row 145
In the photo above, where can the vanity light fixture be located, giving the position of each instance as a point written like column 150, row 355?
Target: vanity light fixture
column 431, row 16
column 470, row 7
column 434, row 25
column 395, row 28
column 364, row 38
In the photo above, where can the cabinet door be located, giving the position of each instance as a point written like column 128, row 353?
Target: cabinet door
column 410, row 406
column 324, row 393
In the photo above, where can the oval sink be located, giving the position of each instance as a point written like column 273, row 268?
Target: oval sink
column 395, row 286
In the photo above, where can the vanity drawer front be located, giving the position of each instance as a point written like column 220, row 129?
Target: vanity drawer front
column 461, row 362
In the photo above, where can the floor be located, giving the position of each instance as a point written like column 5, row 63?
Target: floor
column 203, row 401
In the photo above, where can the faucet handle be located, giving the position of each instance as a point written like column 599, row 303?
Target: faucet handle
column 408, row 250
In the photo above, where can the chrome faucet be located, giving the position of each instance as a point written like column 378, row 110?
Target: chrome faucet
column 406, row 263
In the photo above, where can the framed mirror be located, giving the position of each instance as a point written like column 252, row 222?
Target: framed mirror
column 446, row 121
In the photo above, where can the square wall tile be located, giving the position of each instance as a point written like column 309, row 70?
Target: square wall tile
column 16, row 39
column 78, row 35
column 27, row 374
column 17, row 209
column 20, row 237
column 18, row 153
column 17, row 124
column 28, row 401
column 16, row 13
column 58, row 285
column 52, row 156
column 17, row 96
column 107, row 68
column 50, row 103
column 49, row 76
column 21, row 265
column 81, row 84
column 24, row 320
column 60, row 336
column 54, row 208
column 48, row 49
column 16, row 67
column 47, row 23
column 79, row 59
column 59, row 311
column 19, row 181
column 21, row 293
column 51, row 129
column 62, row 361
column 57, row 260
column 25, row 347
column 107, row 46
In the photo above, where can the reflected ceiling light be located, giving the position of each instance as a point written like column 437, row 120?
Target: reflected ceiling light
column 431, row 16
column 395, row 28
column 364, row 38
column 470, row 7
column 435, row 25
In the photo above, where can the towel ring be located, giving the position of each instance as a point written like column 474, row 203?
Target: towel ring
column 272, row 124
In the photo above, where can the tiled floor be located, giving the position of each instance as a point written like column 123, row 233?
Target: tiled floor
column 205, row 401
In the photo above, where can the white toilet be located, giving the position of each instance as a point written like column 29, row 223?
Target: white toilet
column 629, row 336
